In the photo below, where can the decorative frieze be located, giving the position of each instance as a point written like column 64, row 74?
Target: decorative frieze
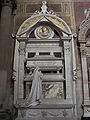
column 45, row 113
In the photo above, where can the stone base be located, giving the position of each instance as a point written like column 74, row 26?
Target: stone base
column 42, row 113
column 5, row 115
column 54, row 118
column 85, row 118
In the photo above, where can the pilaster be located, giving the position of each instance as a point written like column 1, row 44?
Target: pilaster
column 67, row 53
column 21, row 70
column 86, row 102
column 84, row 72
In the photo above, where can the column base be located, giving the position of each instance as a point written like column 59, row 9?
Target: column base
column 5, row 115
column 86, row 108
column 85, row 118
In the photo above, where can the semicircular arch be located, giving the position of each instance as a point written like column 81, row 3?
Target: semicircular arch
column 84, row 27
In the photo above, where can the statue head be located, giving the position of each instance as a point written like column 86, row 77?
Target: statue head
column 44, row 29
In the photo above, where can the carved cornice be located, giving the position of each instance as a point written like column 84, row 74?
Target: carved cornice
column 10, row 3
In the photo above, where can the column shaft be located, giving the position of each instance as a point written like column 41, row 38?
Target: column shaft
column 5, row 53
column 84, row 73
column 67, row 53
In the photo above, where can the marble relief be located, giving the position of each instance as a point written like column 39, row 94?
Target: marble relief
column 53, row 90
column 49, row 90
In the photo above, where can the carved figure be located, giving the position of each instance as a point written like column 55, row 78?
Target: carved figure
column 44, row 31
column 44, row 7
column 86, row 13
column 34, row 97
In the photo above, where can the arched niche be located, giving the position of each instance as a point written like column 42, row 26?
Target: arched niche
column 84, row 29
column 44, row 51
column 84, row 41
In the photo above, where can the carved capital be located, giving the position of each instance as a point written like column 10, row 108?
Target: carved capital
column 22, row 48
column 83, row 50
column 11, row 3
column 67, row 49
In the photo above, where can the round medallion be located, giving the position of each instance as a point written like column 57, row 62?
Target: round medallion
column 44, row 32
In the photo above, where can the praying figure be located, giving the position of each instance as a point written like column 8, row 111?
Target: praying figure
column 34, row 97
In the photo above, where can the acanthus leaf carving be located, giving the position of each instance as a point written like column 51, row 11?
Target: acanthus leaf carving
column 21, row 48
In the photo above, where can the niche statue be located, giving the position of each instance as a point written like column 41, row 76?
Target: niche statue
column 34, row 97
